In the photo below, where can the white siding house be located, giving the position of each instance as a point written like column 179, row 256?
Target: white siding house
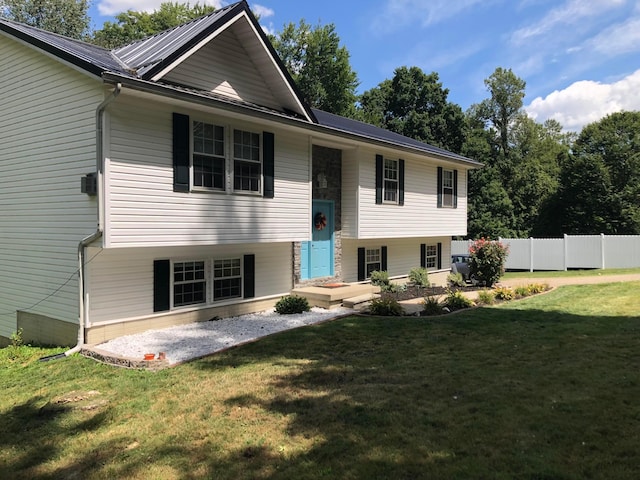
column 182, row 177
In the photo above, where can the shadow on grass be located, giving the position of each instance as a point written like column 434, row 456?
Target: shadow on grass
column 487, row 394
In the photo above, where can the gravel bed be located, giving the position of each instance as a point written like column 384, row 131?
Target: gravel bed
column 193, row 340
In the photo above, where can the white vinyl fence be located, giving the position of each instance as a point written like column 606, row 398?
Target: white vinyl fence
column 571, row 251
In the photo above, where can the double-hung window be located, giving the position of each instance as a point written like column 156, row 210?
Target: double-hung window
column 189, row 283
column 373, row 261
column 431, row 256
column 227, row 279
column 390, row 181
column 247, row 163
column 447, row 188
column 208, row 156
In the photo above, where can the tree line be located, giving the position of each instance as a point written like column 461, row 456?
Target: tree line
column 536, row 181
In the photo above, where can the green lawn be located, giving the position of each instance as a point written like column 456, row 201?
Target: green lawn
column 571, row 273
column 543, row 388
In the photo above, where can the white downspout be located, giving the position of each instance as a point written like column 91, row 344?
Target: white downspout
column 99, row 231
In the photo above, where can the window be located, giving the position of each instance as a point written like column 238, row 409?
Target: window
column 447, row 188
column 208, row 156
column 390, row 181
column 372, row 261
column 227, row 279
column 189, row 284
column 247, row 167
column 431, row 256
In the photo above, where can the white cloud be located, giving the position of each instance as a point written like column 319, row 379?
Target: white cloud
column 586, row 101
column 262, row 12
column 113, row 7
column 618, row 39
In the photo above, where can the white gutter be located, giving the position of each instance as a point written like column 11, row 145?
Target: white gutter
column 82, row 314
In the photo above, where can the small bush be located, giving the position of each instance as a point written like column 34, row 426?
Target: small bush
column 386, row 306
column 456, row 300
column 419, row 276
column 431, row 306
column 393, row 288
column 503, row 293
column 379, row 278
column 486, row 297
column 292, row 304
column 521, row 291
column 456, row 280
column 536, row 288
column 486, row 261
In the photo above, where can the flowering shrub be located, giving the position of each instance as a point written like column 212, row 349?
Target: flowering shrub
column 486, row 261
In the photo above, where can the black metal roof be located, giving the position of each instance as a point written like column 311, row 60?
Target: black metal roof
column 142, row 59
column 372, row 132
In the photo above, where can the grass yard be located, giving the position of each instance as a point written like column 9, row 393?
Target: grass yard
column 544, row 388
column 571, row 273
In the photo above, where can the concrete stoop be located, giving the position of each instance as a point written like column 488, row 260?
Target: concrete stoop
column 335, row 295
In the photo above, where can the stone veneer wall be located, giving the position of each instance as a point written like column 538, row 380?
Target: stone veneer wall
column 327, row 163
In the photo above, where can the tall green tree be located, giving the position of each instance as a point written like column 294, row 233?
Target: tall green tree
column 600, row 182
column 416, row 105
column 132, row 25
column 319, row 66
column 65, row 17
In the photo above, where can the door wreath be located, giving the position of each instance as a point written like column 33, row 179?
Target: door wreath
column 320, row 221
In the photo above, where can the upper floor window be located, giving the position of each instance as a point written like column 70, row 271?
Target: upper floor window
column 247, row 165
column 390, row 184
column 208, row 156
column 447, row 188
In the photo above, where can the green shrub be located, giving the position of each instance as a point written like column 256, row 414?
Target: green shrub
column 486, row 297
column 419, row 276
column 379, row 278
column 522, row 291
column 393, row 288
column 292, row 304
column 431, row 306
column 386, row 306
column 456, row 300
column 486, row 261
column 504, row 293
column 456, row 280
column 535, row 288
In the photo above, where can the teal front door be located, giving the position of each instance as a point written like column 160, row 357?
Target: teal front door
column 317, row 255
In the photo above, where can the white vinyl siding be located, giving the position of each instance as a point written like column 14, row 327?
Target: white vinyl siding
column 121, row 280
column 403, row 254
column 418, row 217
column 223, row 67
column 143, row 209
column 47, row 138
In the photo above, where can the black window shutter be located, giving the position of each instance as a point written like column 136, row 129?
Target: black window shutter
column 423, row 255
column 268, row 164
column 400, row 182
column 439, row 256
column 180, row 152
column 439, row 187
column 161, row 285
column 361, row 268
column 383, row 259
column 249, row 276
column 379, row 178
column 455, row 189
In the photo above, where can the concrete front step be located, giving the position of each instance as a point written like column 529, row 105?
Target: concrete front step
column 333, row 297
column 353, row 302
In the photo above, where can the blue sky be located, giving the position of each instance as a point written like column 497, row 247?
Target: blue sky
column 580, row 58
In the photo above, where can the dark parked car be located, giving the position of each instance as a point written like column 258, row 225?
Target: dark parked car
column 460, row 264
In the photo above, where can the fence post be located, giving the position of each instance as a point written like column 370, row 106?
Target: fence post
column 566, row 252
column 602, row 265
column 531, row 254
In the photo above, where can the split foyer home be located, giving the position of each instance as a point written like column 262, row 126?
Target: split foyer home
column 183, row 177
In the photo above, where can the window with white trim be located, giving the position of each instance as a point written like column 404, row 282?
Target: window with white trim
column 208, row 156
column 227, row 279
column 390, row 181
column 372, row 261
column 189, row 283
column 447, row 188
column 247, row 163
column 431, row 256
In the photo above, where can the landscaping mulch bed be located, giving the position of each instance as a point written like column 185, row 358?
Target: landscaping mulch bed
column 414, row 291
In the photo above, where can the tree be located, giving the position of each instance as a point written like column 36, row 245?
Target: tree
column 600, row 181
column 319, row 66
column 131, row 25
column 64, row 17
column 415, row 105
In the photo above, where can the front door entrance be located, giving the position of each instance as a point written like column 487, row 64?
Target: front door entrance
column 317, row 255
